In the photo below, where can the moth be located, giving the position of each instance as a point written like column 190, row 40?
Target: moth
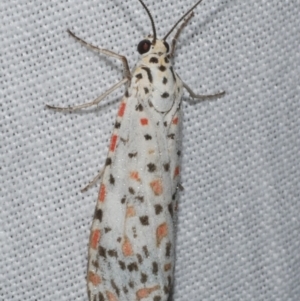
column 131, row 246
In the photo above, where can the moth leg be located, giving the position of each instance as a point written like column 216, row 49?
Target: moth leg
column 203, row 97
column 92, row 103
column 88, row 186
column 126, row 70
column 175, row 38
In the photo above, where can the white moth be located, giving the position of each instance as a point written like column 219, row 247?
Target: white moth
column 131, row 248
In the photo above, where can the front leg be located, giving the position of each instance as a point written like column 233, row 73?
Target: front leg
column 126, row 70
column 92, row 103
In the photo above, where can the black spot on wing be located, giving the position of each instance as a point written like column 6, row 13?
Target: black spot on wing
column 146, row 90
column 139, row 107
column 134, row 232
column 146, row 252
column 131, row 155
column 151, row 167
column 148, row 137
column 140, row 198
column 144, row 277
column 154, row 267
column 98, row 215
column 102, row 251
column 112, row 253
column 124, row 140
column 132, row 267
column 162, row 68
column 158, row 209
column 108, row 161
column 114, row 286
column 144, row 220
column 122, row 265
column 111, row 179
column 139, row 76
column 95, row 264
column 165, row 80
column 165, row 95
column 123, row 199
column 140, row 258
column 100, row 297
column 107, row 229
column 131, row 190
column 149, row 74
column 153, row 60
column 168, row 249
column 131, row 284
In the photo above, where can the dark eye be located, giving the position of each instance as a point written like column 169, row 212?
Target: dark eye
column 144, row 46
column 167, row 46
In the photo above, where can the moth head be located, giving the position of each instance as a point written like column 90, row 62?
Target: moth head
column 149, row 46
column 152, row 44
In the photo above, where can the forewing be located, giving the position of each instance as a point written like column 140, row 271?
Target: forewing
column 131, row 251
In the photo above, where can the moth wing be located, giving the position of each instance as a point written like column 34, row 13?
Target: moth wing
column 131, row 252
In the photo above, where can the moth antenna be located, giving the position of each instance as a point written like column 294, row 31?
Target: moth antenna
column 181, row 19
column 151, row 19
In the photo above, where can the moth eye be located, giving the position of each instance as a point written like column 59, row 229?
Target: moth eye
column 144, row 46
column 167, row 46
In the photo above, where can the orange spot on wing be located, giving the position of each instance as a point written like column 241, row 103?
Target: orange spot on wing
column 130, row 211
column 102, row 193
column 144, row 121
column 157, row 187
column 175, row 120
column 110, row 296
column 145, row 292
column 122, row 109
column 135, row 175
column 127, row 247
column 94, row 278
column 161, row 232
column 113, row 143
column 95, row 237
column 176, row 171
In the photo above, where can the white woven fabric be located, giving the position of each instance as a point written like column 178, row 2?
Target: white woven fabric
column 238, row 230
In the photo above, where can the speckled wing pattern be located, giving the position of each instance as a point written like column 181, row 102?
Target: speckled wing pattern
column 131, row 249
